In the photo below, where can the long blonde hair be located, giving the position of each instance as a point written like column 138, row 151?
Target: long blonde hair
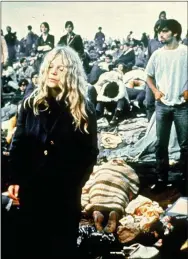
column 73, row 85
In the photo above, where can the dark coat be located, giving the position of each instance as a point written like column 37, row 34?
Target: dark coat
column 47, row 146
column 30, row 88
column 49, row 41
column 75, row 42
column 10, row 39
column 127, row 59
column 100, row 37
column 50, row 160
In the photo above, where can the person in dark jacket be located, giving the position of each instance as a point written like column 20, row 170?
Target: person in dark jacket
column 52, row 154
column 11, row 38
column 30, row 40
column 33, row 85
column 19, row 94
column 128, row 56
column 144, row 39
column 99, row 38
column 72, row 40
column 45, row 42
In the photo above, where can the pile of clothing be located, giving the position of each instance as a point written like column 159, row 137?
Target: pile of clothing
column 141, row 214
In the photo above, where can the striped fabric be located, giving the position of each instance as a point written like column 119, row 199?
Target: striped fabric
column 110, row 187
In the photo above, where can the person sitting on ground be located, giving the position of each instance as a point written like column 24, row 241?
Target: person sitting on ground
column 25, row 71
column 9, row 77
column 140, row 56
column 112, row 95
column 33, row 85
column 128, row 55
column 19, row 94
column 99, row 68
column 10, row 109
column 135, row 81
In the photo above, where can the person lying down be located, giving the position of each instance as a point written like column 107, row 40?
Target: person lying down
column 107, row 193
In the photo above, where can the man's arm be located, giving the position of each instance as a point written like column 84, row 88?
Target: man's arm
column 79, row 46
column 151, row 83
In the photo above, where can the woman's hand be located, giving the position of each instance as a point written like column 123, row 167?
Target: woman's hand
column 13, row 191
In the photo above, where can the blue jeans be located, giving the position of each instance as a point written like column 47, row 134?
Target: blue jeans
column 135, row 94
column 111, row 106
column 165, row 115
column 149, row 102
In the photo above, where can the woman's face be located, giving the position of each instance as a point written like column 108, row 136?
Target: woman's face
column 43, row 28
column 55, row 72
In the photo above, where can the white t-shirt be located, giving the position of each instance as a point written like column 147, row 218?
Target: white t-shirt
column 170, row 70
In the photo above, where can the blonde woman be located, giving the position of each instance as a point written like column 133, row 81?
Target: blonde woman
column 54, row 148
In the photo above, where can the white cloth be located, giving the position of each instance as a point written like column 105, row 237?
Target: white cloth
column 169, row 68
column 9, row 72
column 135, row 74
column 104, row 79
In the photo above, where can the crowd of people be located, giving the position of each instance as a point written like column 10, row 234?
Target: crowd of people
column 52, row 96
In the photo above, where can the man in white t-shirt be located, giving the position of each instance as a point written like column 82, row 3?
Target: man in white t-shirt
column 168, row 66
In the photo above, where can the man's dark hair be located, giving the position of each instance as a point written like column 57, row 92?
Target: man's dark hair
column 46, row 25
column 172, row 25
column 109, row 56
column 23, row 81
column 33, row 74
column 29, row 27
column 111, row 90
column 69, row 23
column 22, row 60
column 163, row 12
column 100, row 28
